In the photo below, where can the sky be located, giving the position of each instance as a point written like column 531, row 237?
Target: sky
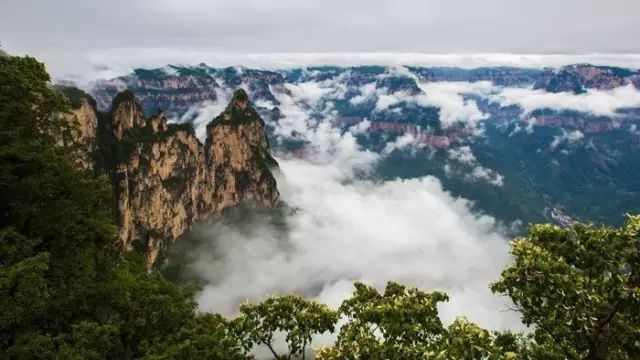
column 88, row 36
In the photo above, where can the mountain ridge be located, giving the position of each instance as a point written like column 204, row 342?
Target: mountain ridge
column 164, row 179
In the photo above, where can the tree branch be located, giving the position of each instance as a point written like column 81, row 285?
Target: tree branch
column 594, row 339
column 275, row 355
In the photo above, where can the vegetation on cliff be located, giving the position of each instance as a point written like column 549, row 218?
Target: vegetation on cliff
column 75, row 96
column 67, row 290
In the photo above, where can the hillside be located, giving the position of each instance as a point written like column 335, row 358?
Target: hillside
column 541, row 144
column 164, row 179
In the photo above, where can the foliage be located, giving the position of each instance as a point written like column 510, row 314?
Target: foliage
column 66, row 289
column 580, row 287
column 75, row 96
column 466, row 340
column 403, row 323
column 299, row 319
column 208, row 337
column 145, row 136
column 399, row 322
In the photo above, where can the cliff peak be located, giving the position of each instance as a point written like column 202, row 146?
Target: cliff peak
column 126, row 113
column 237, row 150
column 158, row 122
column 164, row 180
column 238, row 111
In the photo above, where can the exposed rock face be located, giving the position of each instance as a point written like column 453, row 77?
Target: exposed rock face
column 165, row 181
column 86, row 122
column 502, row 76
column 158, row 122
column 578, row 78
column 160, row 190
column 175, row 89
column 237, row 153
column 125, row 113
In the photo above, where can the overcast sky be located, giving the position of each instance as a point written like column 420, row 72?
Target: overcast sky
column 68, row 34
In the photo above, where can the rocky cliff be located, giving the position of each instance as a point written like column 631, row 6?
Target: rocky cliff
column 581, row 77
column 237, row 154
column 164, row 180
column 175, row 89
column 84, row 121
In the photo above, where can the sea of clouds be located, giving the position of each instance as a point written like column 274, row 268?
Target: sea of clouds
column 347, row 226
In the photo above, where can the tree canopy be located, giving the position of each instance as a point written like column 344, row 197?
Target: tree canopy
column 68, row 291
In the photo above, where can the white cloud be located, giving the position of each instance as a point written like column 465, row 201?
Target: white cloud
column 367, row 91
column 462, row 154
column 401, row 142
column 106, row 63
column 398, row 71
column 488, row 175
column 361, row 127
column 385, row 101
column 309, row 92
column 448, row 96
column 346, row 228
column 596, row 102
column 566, row 137
column 575, row 136
column 294, row 27
column 201, row 114
column 343, row 231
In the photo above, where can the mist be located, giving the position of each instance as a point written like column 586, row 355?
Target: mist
column 341, row 225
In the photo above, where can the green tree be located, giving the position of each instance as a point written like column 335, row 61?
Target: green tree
column 466, row 340
column 66, row 290
column 53, row 219
column 580, row 289
column 403, row 323
column 299, row 319
column 398, row 323
column 207, row 337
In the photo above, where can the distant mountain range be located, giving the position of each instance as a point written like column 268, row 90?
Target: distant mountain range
column 526, row 145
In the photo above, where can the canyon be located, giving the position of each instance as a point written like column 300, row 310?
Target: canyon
column 164, row 179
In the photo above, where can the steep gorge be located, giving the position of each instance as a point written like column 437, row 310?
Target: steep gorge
column 164, row 179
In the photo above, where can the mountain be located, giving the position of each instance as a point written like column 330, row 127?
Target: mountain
column 175, row 89
column 581, row 77
column 525, row 145
column 164, row 179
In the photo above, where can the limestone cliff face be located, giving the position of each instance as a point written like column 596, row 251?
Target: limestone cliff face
column 237, row 155
column 125, row 114
column 85, row 123
column 160, row 190
column 165, row 181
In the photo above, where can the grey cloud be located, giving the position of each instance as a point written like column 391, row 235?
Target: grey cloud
column 65, row 33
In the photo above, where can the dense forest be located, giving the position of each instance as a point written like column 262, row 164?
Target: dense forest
column 67, row 290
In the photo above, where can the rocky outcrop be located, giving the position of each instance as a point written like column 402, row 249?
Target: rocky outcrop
column 161, row 189
column 84, row 122
column 165, row 180
column 237, row 154
column 176, row 89
column 125, row 114
column 581, row 77
column 501, row 76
